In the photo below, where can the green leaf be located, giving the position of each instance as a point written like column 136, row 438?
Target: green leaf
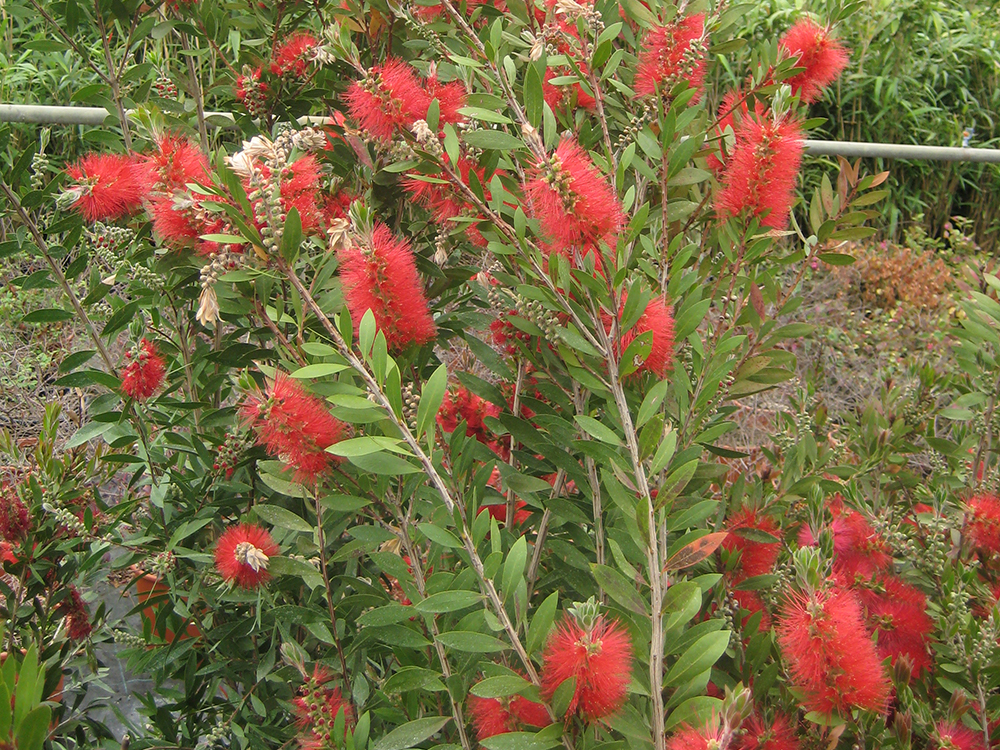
column 74, row 360
column 430, row 400
column 513, row 568
column 413, row 678
column 448, row 601
column 541, row 622
column 701, row 655
column 366, row 445
column 496, row 140
column 412, row 733
column 282, row 517
column 289, row 566
column 320, row 370
column 390, row 614
column 48, row 315
column 34, row 728
column 836, row 259
column 651, row 403
column 534, row 100
column 384, row 463
column 441, row 536
column 88, row 432
column 519, row 741
column 597, row 430
column 291, row 236
column 500, row 686
column 619, row 588
column 477, row 643
column 694, row 711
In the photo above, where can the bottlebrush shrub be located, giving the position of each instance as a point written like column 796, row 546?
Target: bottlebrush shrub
column 451, row 373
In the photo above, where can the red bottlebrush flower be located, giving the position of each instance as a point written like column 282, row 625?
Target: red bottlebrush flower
column 759, row 178
column 756, row 558
column 757, row 735
column 316, row 709
column 460, row 404
column 950, row 735
column 379, row 274
column 444, row 202
column 242, row 554
column 599, row 659
column 859, row 552
column 557, row 95
column 493, row 716
column 659, row 319
column 175, row 163
column 822, row 57
column 573, row 200
column 673, row 53
column 982, row 523
column 78, row 625
column 451, row 97
column 689, row 738
column 105, row 187
column 499, row 512
column 830, row 655
column 294, row 425
column 391, row 96
column 898, row 613
column 144, row 373
column 293, row 56
column 752, row 603
column 15, row 520
column 432, row 12
column 179, row 221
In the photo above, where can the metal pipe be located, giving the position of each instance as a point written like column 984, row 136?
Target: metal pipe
column 902, row 151
column 96, row 116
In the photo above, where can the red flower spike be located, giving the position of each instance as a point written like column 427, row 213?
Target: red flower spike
column 573, row 200
column 659, row 319
column 15, row 520
column 78, row 625
column 451, row 97
column 380, row 275
column 144, row 373
column 493, row 716
column 673, row 53
column 950, row 735
column 689, row 738
column 759, row 736
column 759, row 178
column 555, row 96
column 460, row 404
column 831, row 657
column 600, row 660
column 175, row 163
column 982, row 523
column 105, row 186
column 822, row 57
column 859, row 552
column 897, row 612
column 756, row 558
column 251, row 92
column 292, row 57
column 391, row 96
column 242, row 554
column 293, row 425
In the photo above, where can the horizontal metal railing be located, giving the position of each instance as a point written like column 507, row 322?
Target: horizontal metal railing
column 95, row 116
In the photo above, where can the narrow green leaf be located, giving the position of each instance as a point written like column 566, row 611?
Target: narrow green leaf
column 412, row 733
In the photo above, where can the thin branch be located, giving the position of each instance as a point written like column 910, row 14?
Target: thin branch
column 43, row 248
